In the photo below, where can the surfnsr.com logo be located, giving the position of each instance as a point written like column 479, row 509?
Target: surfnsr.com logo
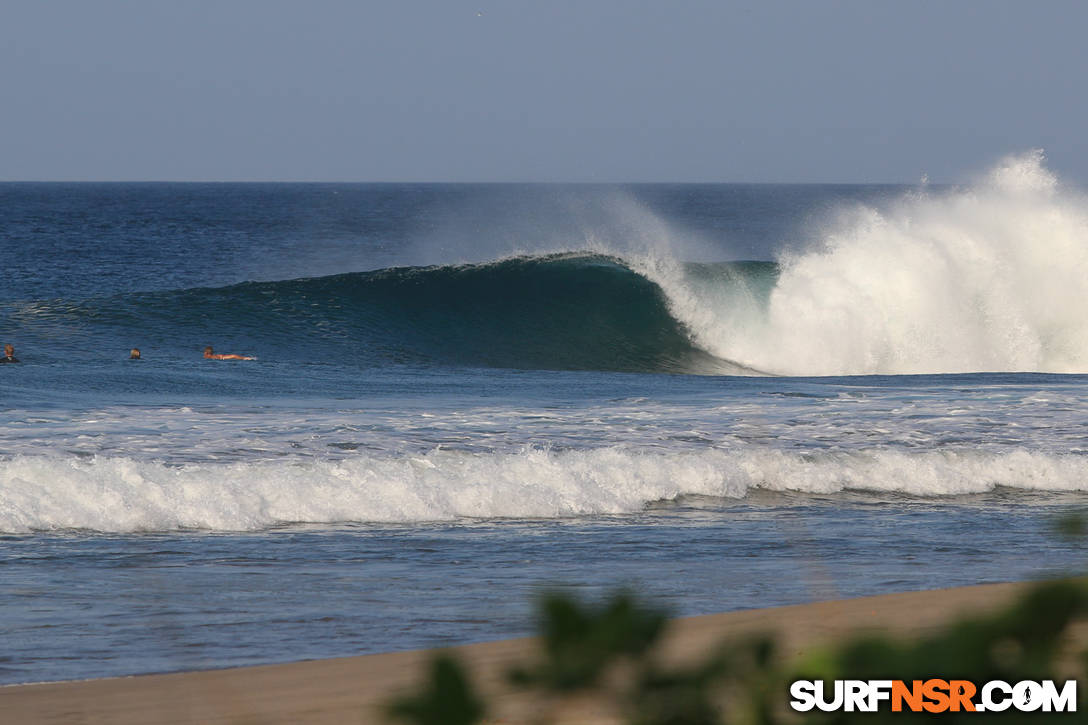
column 933, row 695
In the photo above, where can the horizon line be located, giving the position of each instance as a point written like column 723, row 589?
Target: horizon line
column 476, row 183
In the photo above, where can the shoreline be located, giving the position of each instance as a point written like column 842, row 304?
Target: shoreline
column 354, row 689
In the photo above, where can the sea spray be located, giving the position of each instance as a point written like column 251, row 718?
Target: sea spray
column 990, row 277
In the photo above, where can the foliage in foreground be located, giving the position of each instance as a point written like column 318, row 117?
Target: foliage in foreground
column 610, row 651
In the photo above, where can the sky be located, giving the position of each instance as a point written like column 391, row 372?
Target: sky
column 541, row 90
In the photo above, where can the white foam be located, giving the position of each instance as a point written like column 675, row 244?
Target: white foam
column 124, row 495
column 987, row 278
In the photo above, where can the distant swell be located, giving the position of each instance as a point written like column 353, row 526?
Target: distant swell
column 123, row 495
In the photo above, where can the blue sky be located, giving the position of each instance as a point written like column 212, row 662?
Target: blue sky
column 506, row 90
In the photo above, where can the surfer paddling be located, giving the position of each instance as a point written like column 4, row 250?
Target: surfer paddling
column 210, row 354
column 9, row 355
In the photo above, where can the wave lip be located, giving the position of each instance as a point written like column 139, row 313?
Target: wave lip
column 124, row 495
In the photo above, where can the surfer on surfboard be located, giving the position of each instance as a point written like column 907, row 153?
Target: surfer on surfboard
column 209, row 354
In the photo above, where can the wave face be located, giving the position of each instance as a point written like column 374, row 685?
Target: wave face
column 560, row 311
column 124, row 495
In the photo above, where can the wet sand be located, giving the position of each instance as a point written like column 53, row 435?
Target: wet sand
column 354, row 689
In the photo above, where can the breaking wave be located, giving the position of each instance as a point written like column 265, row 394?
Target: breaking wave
column 125, row 495
column 985, row 278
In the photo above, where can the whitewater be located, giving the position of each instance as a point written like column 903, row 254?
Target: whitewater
column 725, row 395
column 987, row 277
column 123, row 496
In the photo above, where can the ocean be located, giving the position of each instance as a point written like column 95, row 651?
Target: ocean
column 721, row 396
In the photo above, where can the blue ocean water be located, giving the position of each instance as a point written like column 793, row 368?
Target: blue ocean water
column 724, row 396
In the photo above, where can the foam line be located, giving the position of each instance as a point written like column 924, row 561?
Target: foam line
column 124, row 495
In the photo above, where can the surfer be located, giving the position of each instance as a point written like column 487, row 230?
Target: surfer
column 135, row 354
column 9, row 355
column 209, row 354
